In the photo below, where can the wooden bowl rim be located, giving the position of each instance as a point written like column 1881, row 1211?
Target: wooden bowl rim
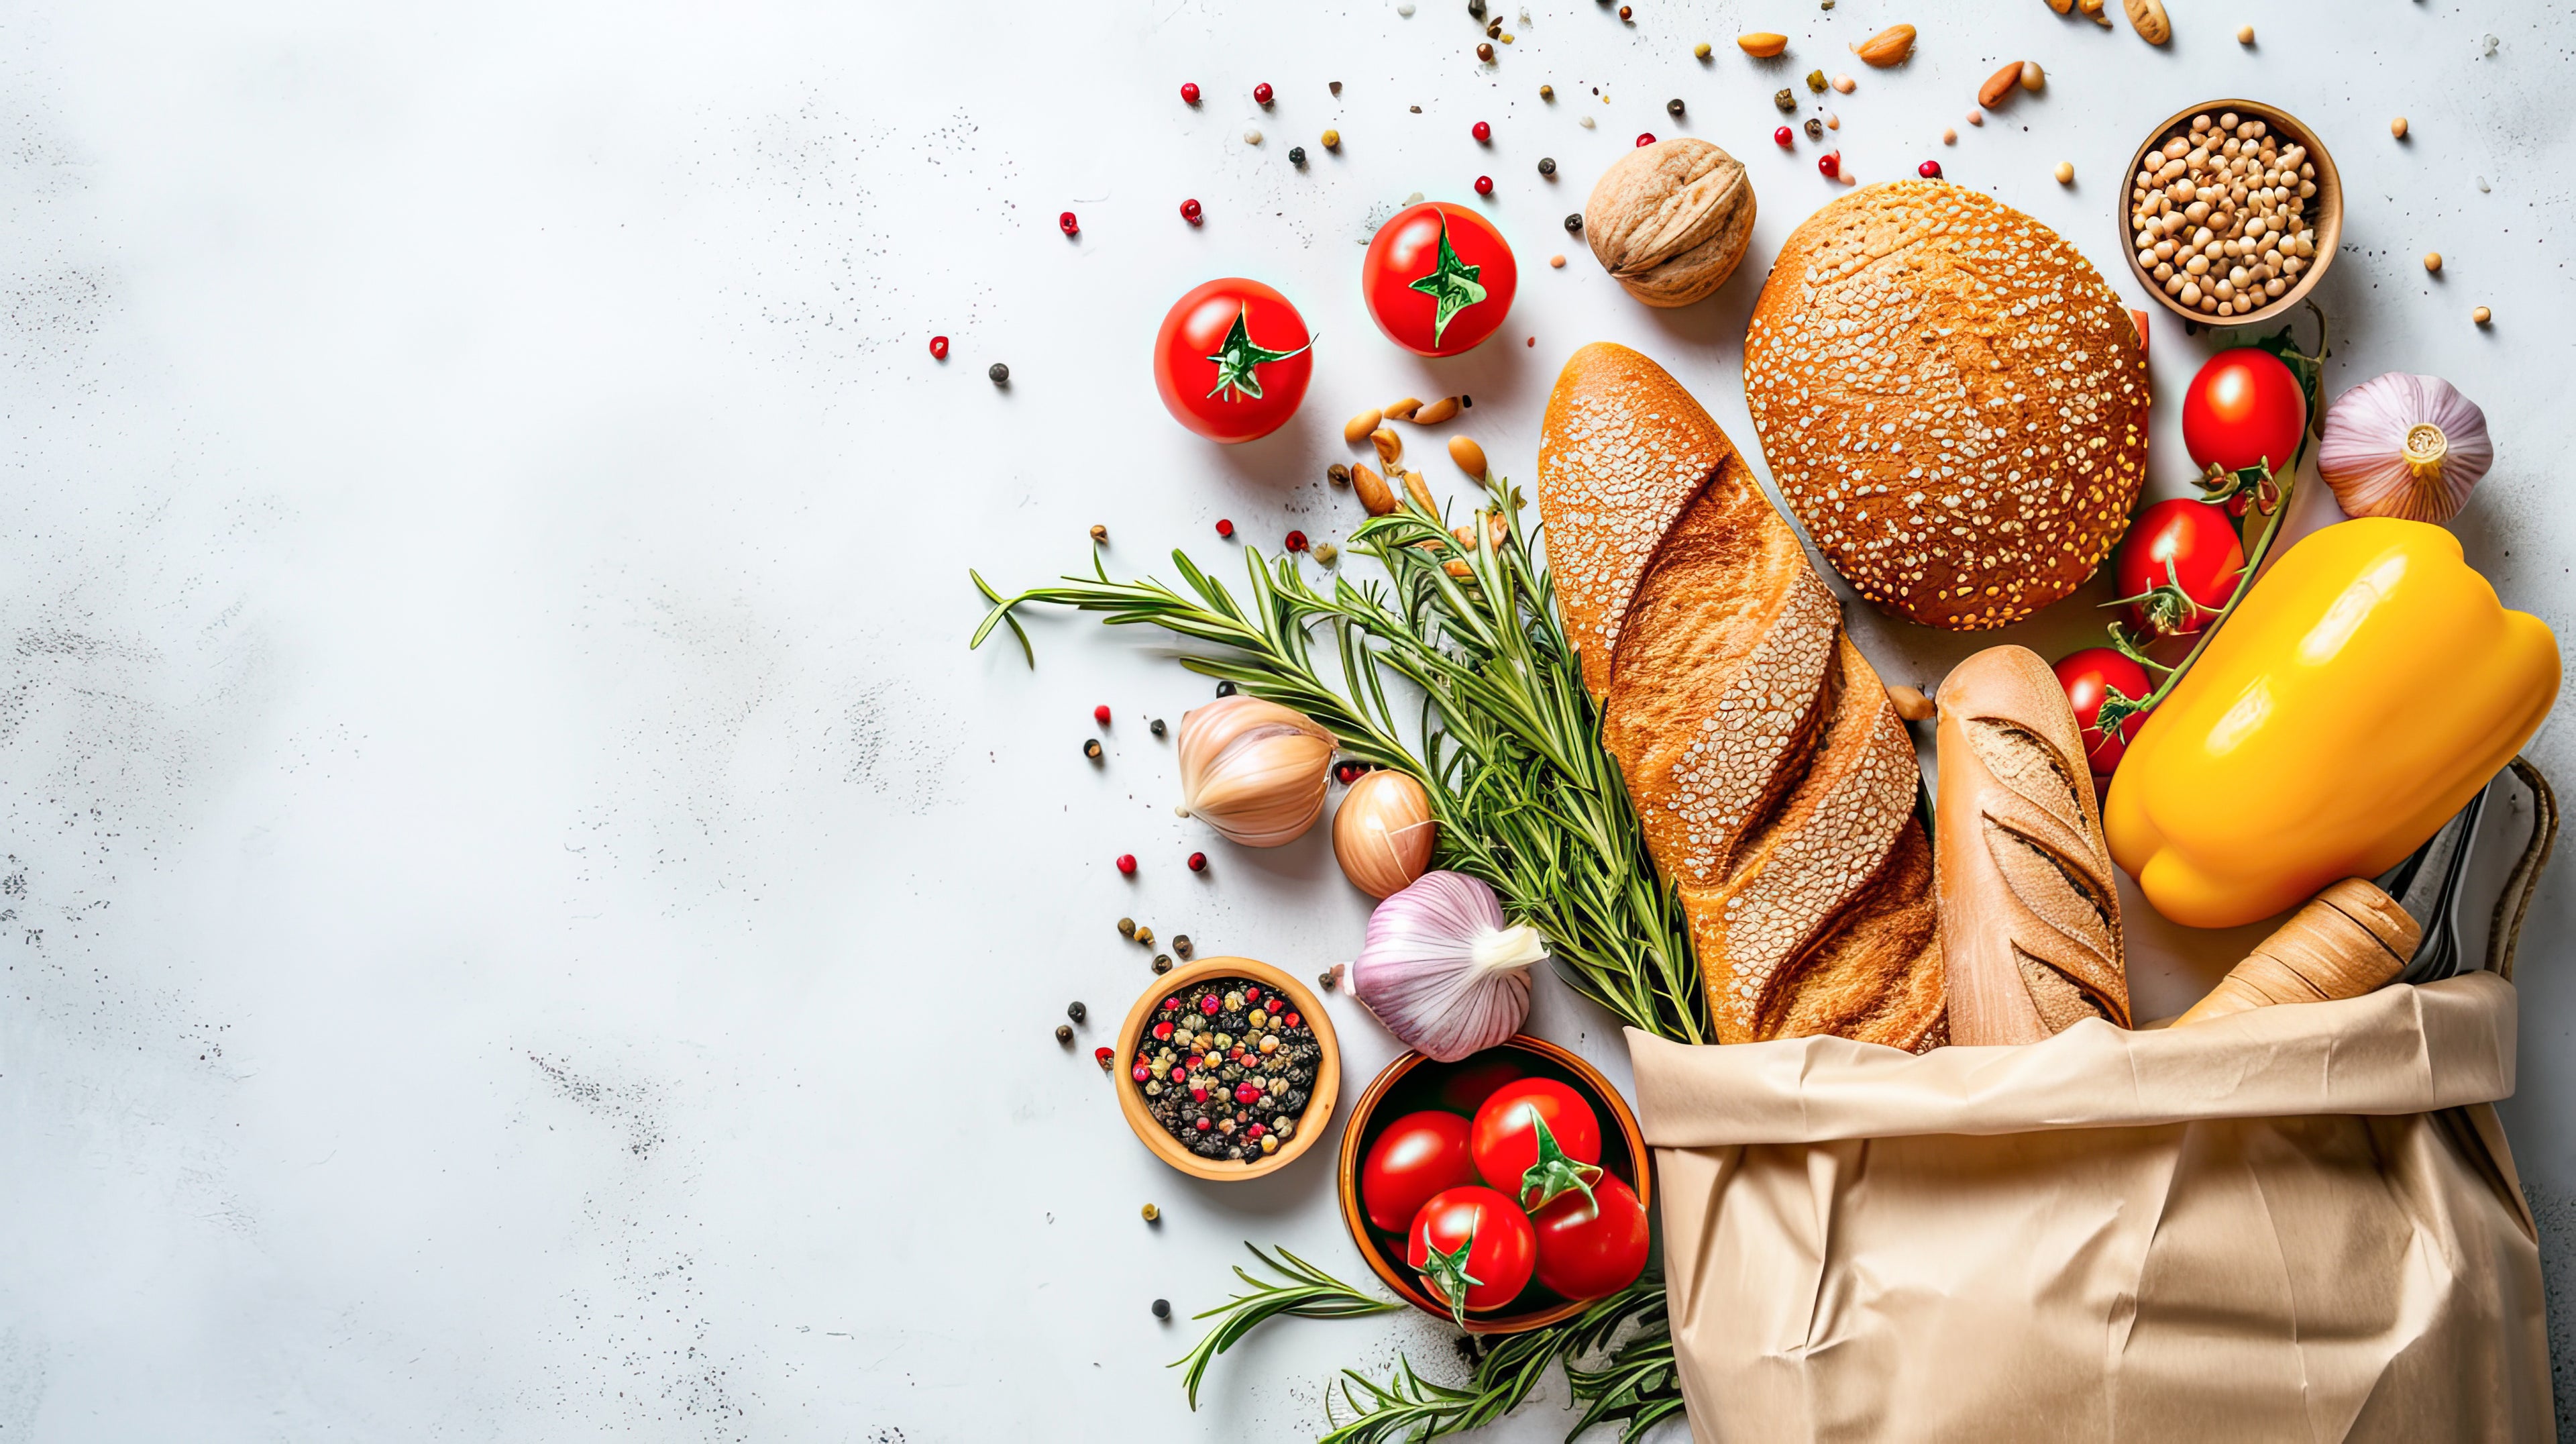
column 1311, row 1125
column 2329, row 220
column 1388, row 1272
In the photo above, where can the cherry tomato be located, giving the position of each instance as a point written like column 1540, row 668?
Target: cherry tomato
column 1417, row 1156
column 1473, row 1081
column 2089, row 677
column 1536, row 1139
column 1589, row 1247
column 1474, row 1248
column 2242, row 408
column 1438, row 278
column 1232, row 360
column 2181, row 559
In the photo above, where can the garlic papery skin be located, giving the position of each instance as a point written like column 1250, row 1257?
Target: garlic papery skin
column 2404, row 446
column 1254, row 770
column 1443, row 970
column 1383, row 832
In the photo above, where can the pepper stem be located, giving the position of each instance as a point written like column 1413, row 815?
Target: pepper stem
column 1555, row 1174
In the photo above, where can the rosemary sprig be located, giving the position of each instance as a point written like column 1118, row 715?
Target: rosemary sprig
column 1309, row 1293
column 1632, row 1389
column 1507, row 743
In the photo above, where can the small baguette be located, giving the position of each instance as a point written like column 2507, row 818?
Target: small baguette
column 2030, row 908
column 2348, row 940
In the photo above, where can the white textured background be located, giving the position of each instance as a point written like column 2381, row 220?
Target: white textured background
column 521, row 918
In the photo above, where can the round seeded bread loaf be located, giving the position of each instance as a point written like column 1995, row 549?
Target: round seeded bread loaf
column 1951, row 399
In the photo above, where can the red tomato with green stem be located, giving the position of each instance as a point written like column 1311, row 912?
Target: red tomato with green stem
column 1536, row 1140
column 2178, row 566
column 2094, row 677
column 2244, row 408
column 1232, row 360
column 1438, row 278
column 1417, row 1155
column 1592, row 1247
column 1474, row 1248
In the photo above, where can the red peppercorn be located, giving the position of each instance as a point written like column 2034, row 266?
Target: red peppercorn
column 1198, row 862
column 1484, row 185
column 1830, row 164
column 1482, row 132
column 1204, row 1125
column 1224, row 527
column 1235, row 1053
column 1067, row 224
column 1784, row 136
column 1189, row 92
column 938, row 348
column 1246, row 1092
column 1261, row 93
column 1180, row 1072
column 1252, row 995
column 1190, row 211
column 1292, row 1020
column 1171, row 1005
column 1296, row 541
column 1100, row 714
column 1127, row 862
column 1645, row 138
column 1255, row 1132
column 1104, row 1055
column 1141, row 1072
column 1162, row 1031
column 1210, row 1004
column 1929, row 170
column 1276, row 1005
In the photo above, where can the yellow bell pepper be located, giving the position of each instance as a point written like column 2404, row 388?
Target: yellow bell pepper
column 2358, row 697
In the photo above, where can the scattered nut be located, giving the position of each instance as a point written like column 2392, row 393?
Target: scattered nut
column 2244, row 34
column 1332, row 140
column 2093, row 11
column 1976, row 117
column 1785, row 99
column 1760, row 44
column 2219, row 215
column 2397, row 127
column 1999, row 84
column 1402, row 410
column 1099, row 533
column 2032, row 77
column 2065, row 173
column 1911, row 704
column 2433, row 261
column 1832, row 121
column 1949, row 135
column 1150, row 1212
column 1888, row 47
column 1670, row 222
column 1372, row 490
column 1356, row 430
column 2147, row 17
column 1437, row 412
column 2482, row 315
column 1338, row 474
column 1389, row 445
column 1558, row 261
column 1547, row 92
column 2061, row 6
column 1816, row 81
column 1469, row 456
column 1326, row 554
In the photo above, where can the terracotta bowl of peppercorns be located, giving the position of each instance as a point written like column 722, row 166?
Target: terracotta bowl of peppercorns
column 1227, row 1069
column 1415, row 1083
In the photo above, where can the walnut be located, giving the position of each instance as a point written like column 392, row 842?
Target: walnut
column 1671, row 220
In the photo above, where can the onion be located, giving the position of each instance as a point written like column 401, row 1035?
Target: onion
column 2404, row 446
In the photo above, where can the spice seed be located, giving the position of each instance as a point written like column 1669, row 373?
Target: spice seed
column 1151, row 1214
column 1144, row 937
column 1558, row 261
column 1091, row 748
column 1000, row 374
column 2244, row 34
column 1162, row 1308
column 1181, row 944
column 2433, row 261
column 2065, row 173
column 1296, row 155
column 1574, row 223
column 1157, row 727
column 1162, row 964
column 1063, row 1034
column 1198, row 862
column 1324, row 980
column 2482, row 315
column 1547, row 165
column 1127, row 863
column 1127, row 927
column 1547, row 92
column 1099, row 533
column 1332, row 140
column 1225, row 689
column 1076, row 1011
column 2397, row 127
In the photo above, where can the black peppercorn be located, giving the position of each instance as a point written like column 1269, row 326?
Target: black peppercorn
column 1547, row 165
column 1476, row 8
column 1162, row 1308
column 1325, row 979
column 1181, row 944
column 1815, row 129
column 1494, row 31
column 1485, row 51
column 1786, row 99
column 1157, row 727
column 1063, row 1034
column 1162, row 964
column 1296, row 155
column 1075, row 1011
column 1673, row 107
column 1091, row 748
column 1225, row 689
column 1127, row 927
column 1574, row 222
column 1000, row 373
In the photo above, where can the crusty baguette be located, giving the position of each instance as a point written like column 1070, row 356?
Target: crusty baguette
column 2030, row 908
column 1775, row 784
column 2348, row 940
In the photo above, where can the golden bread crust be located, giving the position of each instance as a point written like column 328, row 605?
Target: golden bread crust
column 1952, row 400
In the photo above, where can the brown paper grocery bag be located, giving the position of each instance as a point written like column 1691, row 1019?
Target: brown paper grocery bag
column 2298, row 1223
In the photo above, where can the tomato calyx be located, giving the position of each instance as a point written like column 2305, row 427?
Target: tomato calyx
column 1447, row 1272
column 1451, row 285
column 1554, row 1174
column 2112, row 720
column 2170, row 611
column 1238, row 358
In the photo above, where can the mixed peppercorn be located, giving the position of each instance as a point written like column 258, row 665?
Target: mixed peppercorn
column 1227, row 1068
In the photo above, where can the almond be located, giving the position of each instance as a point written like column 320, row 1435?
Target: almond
column 2061, row 6
column 1911, row 704
column 2093, row 11
column 1436, row 412
column 1373, row 491
column 1469, row 456
column 1356, row 430
column 2147, row 17
column 1403, row 410
column 1762, row 44
column 1891, row 45
column 1999, row 85
column 1389, row 445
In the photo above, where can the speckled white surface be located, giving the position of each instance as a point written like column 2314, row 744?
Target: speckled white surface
column 523, row 920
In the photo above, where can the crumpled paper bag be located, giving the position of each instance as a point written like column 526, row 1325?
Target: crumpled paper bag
column 2298, row 1223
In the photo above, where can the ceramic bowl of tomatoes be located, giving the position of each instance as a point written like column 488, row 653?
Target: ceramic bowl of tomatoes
column 2324, row 210
column 1427, row 1144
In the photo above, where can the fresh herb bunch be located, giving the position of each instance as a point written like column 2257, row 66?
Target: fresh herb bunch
column 1309, row 1293
column 1636, row 1386
column 1508, row 744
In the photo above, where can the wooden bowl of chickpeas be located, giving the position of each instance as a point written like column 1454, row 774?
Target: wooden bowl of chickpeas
column 2234, row 210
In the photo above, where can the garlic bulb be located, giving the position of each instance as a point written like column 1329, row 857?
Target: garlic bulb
column 2404, row 446
column 1441, row 968
column 1382, row 832
column 1254, row 770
